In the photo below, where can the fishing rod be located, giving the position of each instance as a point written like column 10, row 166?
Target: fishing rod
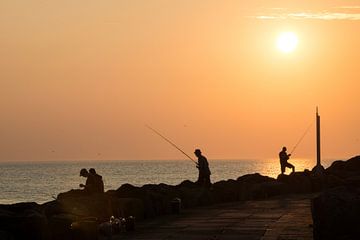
column 166, row 139
column 302, row 137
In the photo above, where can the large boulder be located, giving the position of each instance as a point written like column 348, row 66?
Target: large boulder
column 251, row 186
column 269, row 189
column 345, row 169
column 336, row 214
column 160, row 196
column 23, row 221
column 155, row 198
column 75, row 213
column 101, row 206
column 193, row 197
column 226, row 191
column 333, row 181
column 254, row 178
column 81, row 204
column 60, row 225
column 298, row 182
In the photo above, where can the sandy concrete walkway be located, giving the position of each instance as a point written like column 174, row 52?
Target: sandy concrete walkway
column 284, row 217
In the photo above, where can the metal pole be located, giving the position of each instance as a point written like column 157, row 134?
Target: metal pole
column 318, row 157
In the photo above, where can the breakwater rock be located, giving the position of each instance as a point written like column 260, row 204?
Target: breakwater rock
column 76, row 213
column 336, row 211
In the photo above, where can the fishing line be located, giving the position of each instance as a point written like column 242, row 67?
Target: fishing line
column 173, row 144
column 302, row 137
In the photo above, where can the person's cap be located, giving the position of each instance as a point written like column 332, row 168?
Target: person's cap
column 83, row 171
column 197, row 151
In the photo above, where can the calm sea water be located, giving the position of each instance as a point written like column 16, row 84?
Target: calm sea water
column 40, row 181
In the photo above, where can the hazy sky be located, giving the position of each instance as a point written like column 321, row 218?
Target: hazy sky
column 80, row 79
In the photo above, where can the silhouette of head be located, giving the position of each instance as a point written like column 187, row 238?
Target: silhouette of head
column 92, row 171
column 284, row 149
column 84, row 172
column 197, row 152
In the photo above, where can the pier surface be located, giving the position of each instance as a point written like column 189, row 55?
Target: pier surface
column 283, row 217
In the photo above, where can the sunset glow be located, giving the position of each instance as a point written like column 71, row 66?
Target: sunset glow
column 287, row 42
column 237, row 79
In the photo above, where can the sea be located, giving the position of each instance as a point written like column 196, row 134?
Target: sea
column 43, row 181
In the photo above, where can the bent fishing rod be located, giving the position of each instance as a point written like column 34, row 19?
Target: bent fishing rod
column 173, row 144
column 302, row 137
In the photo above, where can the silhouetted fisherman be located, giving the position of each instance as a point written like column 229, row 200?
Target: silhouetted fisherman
column 98, row 182
column 90, row 181
column 204, row 171
column 284, row 157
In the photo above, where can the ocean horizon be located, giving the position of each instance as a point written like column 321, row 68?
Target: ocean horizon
column 42, row 181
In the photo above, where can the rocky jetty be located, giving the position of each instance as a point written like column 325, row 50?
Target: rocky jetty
column 336, row 211
column 77, row 215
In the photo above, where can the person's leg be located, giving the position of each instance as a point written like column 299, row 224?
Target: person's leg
column 199, row 178
column 282, row 168
column 289, row 165
column 207, row 181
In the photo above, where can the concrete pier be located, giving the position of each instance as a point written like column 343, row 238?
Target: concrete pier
column 284, row 217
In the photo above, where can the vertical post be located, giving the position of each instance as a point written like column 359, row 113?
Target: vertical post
column 318, row 163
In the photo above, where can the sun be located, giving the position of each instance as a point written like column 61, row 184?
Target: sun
column 287, row 42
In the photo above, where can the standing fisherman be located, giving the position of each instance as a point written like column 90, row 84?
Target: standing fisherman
column 204, row 171
column 283, row 160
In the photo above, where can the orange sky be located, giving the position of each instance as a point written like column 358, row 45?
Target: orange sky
column 80, row 79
